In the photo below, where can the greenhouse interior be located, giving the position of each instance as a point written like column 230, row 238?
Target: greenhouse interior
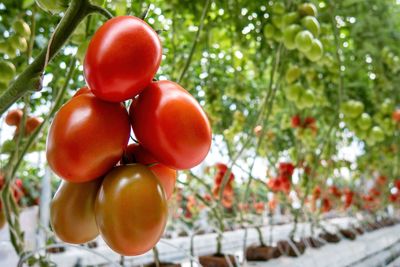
column 188, row 133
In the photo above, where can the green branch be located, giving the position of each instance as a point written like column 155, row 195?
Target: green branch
column 30, row 78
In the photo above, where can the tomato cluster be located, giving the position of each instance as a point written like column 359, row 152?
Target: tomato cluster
column 14, row 117
column 227, row 194
column 282, row 182
column 110, row 187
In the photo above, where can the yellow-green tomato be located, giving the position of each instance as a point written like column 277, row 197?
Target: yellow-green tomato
column 304, row 40
column 289, row 34
column 311, row 24
column 364, row 122
column 292, row 74
column 72, row 211
column 308, row 9
column 22, row 28
column 131, row 209
column 293, row 92
column 316, row 51
column 7, row 71
column 18, row 43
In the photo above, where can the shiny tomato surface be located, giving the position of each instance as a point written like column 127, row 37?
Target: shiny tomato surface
column 87, row 138
column 72, row 211
column 135, row 153
column 131, row 209
column 170, row 124
column 122, row 58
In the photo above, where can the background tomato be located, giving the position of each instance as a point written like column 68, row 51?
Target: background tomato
column 131, row 209
column 135, row 153
column 171, row 125
column 122, row 58
column 72, row 211
column 87, row 138
column 14, row 117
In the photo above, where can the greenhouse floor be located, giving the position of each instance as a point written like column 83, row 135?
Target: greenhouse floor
column 378, row 248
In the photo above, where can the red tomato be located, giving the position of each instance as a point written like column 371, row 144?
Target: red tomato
column 31, row 124
column 396, row 115
column 87, row 138
column 122, row 58
column 135, row 153
column 171, row 125
column 82, row 91
column 14, row 117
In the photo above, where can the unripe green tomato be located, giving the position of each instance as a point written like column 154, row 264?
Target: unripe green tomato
column 278, row 8
column 22, row 28
column 290, row 18
column 316, row 51
column 387, row 125
column 292, row 74
column 308, row 99
column 293, row 92
column 3, row 86
column 387, row 106
column 7, row 70
column 278, row 22
column 3, row 47
column 19, row 43
column 364, row 122
column 289, row 34
column 303, row 41
column 352, row 108
column 278, row 36
column 11, row 51
column 311, row 24
column 269, row 31
column 53, row 6
column 361, row 134
column 377, row 134
column 308, row 9
column 285, row 122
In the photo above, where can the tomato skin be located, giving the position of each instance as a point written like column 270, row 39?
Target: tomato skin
column 122, row 58
column 131, row 209
column 136, row 153
column 82, row 91
column 170, row 124
column 72, row 211
column 31, row 124
column 14, row 117
column 87, row 138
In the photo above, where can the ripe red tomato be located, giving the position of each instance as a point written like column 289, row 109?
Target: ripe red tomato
column 396, row 115
column 135, row 153
column 171, row 125
column 87, row 138
column 122, row 58
column 14, row 117
column 131, row 209
column 82, row 91
column 31, row 124
column 72, row 211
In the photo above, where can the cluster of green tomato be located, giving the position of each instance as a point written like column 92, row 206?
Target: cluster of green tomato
column 16, row 42
column 296, row 30
column 362, row 124
column 295, row 92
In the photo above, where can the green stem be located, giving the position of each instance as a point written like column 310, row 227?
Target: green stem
column 30, row 78
column 196, row 40
column 156, row 256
